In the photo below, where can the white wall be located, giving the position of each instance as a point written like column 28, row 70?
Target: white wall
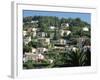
column 5, row 40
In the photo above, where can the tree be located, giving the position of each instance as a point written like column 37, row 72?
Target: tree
column 77, row 58
column 27, row 19
column 28, row 64
column 88, row 55
column 33, row 44
column 26, row 48
column 56, row 35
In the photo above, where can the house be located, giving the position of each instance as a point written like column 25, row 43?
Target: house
column 67, row 24
column 41, row 50
column 59, row 42
column 45, row 41
column 29, row 56
column 51, row 35
column 52, row 27
column 34, row 34
column 85, row 29
column 74, row 49
column 34, row 57
column 71, row 48
column 51, row 61
column 27, row 39
column 40, row 57
column 67, row 48
column 34, row 50
column 63, row 32
column 24, row 33
column 35, row 21
column 24, row 60
column 34, row 31
column 61, row 48
column 62, row 41
column 41, row 34
column 68, row 32
column 45, row 49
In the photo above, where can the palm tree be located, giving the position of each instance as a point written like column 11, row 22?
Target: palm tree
column 76, row 58
column 88, row 55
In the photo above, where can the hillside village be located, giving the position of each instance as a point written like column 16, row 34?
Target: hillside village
column 55, row 45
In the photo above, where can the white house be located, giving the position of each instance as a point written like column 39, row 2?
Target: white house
column 41, row 34
column 64, row 25
column 24, row 33
column 28, row 56
column 31, row 56
column 34, row 21
column 41, row 50
column 40, row 57
column 68, row 32
column 51, row 60
column 34, row 50
column 34, row 31
column 52, row 27
column 62, row 41
column 59, row 48
column 85, row 29
column 45, row 49
column 47, row 40
column 62, row 32
column 74, row 49
column 44, row 40
column 67, row 24
column 24, row 59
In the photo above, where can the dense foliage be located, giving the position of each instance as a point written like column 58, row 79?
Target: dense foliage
column 77, row 52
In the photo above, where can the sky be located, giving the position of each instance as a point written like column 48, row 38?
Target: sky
column 83, row 16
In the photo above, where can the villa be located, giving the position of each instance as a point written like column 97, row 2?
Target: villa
column 34, row 57
column 24, row 33
column 34, row 21
column 45, row 41
column 34, row 31
column 41, row 50
column 85, row 29
column 34, row 50
column 65, row 25
column 59, row 48
column 52, row 27
column 63, row 32
column 62, row 41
